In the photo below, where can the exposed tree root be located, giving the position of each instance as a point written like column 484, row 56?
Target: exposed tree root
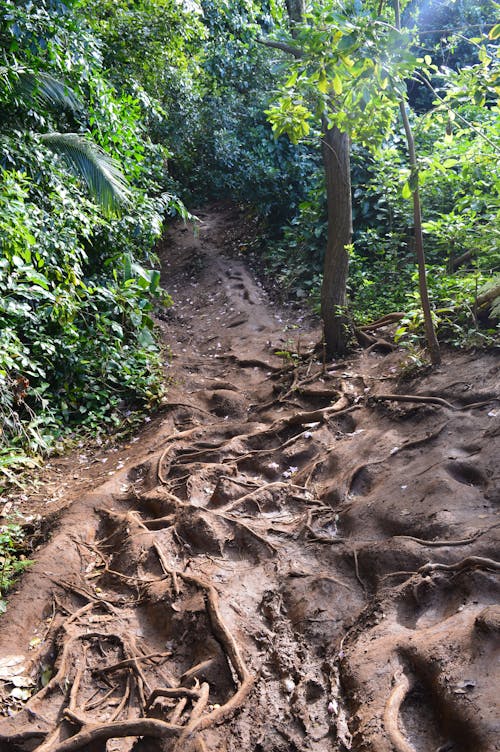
column 275, row 485
column 391, row 714
column 428, row 400
column 316, row 415
column 389, row 318
column 422, row 440
column 372, row 343
column 413, row 398
column 446, row 543
column 169, row 520
column 227, row 642
column 470, row 562
column 193, row 672
column 256, row 363
column 175, row 437
column 92, row 733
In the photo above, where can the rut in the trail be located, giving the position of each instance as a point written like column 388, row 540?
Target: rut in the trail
column 298, row 562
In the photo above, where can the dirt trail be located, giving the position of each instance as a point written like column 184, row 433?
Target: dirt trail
column 291, row 561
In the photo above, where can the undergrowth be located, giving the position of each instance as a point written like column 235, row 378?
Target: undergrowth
column 13, row 558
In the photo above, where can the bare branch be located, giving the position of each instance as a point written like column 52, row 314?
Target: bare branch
column 283, row 46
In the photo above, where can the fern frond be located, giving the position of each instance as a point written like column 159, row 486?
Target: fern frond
column 104, row 179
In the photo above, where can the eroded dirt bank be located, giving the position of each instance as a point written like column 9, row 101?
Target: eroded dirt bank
column 290, row 561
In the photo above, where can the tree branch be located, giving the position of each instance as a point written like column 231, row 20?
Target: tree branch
column 283, row 46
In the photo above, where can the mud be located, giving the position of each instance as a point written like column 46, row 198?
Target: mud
column 297, row 556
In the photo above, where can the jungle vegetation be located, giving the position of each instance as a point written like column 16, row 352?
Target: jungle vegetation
column 118, row 115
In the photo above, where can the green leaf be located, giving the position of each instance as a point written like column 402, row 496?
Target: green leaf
column 127, row 266
column 37, row 278
column 479, row 98
column 45, row 89
column 494, row 32
column 337, row 84
column 88, row 161
column 406, row 191
column 323, row 83
column 154, row 281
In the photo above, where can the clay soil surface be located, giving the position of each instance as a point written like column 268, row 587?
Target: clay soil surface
column 292, row 557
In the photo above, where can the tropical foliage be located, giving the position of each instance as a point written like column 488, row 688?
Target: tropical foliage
column 77, row 235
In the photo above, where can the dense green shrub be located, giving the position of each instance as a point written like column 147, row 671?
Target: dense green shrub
column 77, row 338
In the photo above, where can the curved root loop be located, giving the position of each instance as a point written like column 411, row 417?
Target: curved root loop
column 391, row 715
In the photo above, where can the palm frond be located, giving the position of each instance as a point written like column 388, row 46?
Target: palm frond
column 47, row 90
column 104, row 179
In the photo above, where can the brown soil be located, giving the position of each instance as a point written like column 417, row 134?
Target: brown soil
column 289, row 559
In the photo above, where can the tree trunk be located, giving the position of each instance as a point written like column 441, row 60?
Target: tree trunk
column 336, row 162
column 432, row 343
column 295, row 10
column 337, row 165
column 430, row 333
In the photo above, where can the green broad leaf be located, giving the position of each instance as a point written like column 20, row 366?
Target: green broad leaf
column 154, row 281
column 291, row 81
column 427, row 59
column 37, row 279
column 145, row 338
column 104, row 179
column 337, row 84
column 136, row 318
column 127, row 266
column 406, row 191
column 46, row 675
column 450, row 163
column 494, row 32
column 347, row 42
column 478, row 98
column 357, row 68
column 117, row 328
column 323, row 83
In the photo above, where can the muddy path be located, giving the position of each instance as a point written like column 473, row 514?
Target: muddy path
column 295, row 558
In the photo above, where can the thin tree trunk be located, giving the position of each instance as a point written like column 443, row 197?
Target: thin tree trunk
column 430, row 333
column 432, row 343
column 336, row 161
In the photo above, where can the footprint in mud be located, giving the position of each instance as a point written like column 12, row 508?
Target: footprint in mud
column 430, row 602
column 466, row 473
column 363, row 480
column 234, row 275
column 420, row 722
column 227, row 402
column 237, row 321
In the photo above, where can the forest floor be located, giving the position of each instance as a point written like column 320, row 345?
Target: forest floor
column 292, row 556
